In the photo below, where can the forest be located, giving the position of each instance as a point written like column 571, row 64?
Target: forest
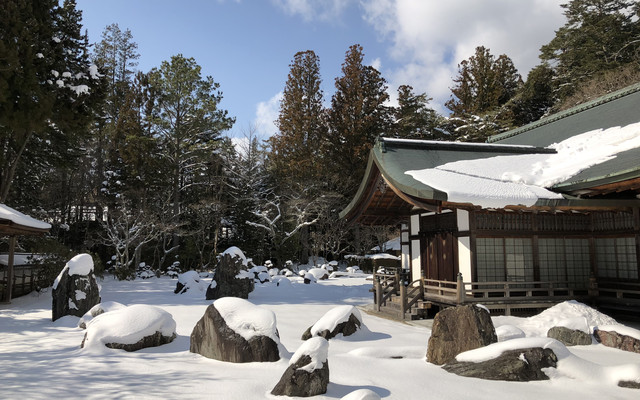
column 136, row 166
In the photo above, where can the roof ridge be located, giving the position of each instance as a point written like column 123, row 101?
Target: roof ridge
column 566, row 113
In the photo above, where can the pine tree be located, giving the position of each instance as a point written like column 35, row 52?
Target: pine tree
column 413, row 117
column 600, row 35
column 483, row 84
column 301, row 126
column 534, row 99
column 188, row 123
column 49, row 86
column 358, row 116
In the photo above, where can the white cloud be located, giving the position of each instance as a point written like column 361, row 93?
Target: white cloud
column 376, row 63
column 313, row 9
column 429, row 37
column 266, row 114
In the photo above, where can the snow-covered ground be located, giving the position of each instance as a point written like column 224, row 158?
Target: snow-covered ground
column 40, row 359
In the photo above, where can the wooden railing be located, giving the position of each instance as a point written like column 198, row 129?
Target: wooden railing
column 26, row 278
column 497, row 295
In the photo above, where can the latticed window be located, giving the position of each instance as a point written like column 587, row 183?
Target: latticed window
column 504, row 259
column 616, row 258
column 564, row 259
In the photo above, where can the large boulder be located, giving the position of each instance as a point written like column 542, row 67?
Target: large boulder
column 231, row 278
column 308, row 371
column 187, row 281
column 98, row 309
column 619, row 337
column 459, row 329
column 569, row 337
column 75, row 290
column 130, row 328
column 521, row 365
column 345, row 320
column 235, row 330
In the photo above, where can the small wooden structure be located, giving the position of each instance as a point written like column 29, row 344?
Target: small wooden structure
column 12, row 224
column 578, row 238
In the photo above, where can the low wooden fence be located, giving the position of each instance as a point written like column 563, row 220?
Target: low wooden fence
column 26, row 279
column 499, row 296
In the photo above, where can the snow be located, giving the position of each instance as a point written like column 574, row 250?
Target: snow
column 382, row 256
column 128, row 325
column 318, row 273
column 317, row 348
column 334, row 317
column 234, row 252
column 19, row 218
column 98, row 309
column 41, row 359
column 496, row 182
column 568, row 365
column 570, row 314
column 362, row 394
column 82, row 265
column 246, row 319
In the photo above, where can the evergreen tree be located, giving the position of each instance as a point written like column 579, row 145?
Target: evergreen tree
column 358, row 116
column 599, row 35
column 534, row 99
column 48, row 86
column 483, row 84
column 188, row 122
column 301, row 127
column 413, row 117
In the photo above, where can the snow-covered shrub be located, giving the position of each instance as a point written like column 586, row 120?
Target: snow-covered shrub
column 286, row 272
column 302, row 272
column 144, row 271
column 174, row 269
column 188, row 281
column 273, row 271
column 260, row 274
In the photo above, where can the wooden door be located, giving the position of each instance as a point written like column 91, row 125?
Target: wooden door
column 439, row 260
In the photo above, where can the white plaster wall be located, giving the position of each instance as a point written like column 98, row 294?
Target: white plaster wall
column 415, row 224
column 464, row 258
column 406, row 257
column 463, row 220
column 415, row 260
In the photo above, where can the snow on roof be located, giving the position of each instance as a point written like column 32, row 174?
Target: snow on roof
column 332, row 318
column 246, row 319
column 19, row 218
column 381, row 256
column 393, row 244
column 128, row 325
column 500, row 181
column 317, row 348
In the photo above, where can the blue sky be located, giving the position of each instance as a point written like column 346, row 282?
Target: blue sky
column 247, row 45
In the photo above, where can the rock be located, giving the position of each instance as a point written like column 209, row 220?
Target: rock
column 520, row 365
column 345, row 320
column 308, row 371
column 319, row 273
column 75, row 290
column 249, row 334
column 611, row 338
column 309, row 278
column 98, row 309
column 186, row 281
column 459, row 329
column 131, row 328
column 629, row 384
column 231, row 279
column 569, row 337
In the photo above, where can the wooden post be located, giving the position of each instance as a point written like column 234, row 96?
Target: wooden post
column 397, row 282
column 460, row 290
column 12, row 249
column 422, row 289
column 593, row 286
column 378, row 294
column 403, row 300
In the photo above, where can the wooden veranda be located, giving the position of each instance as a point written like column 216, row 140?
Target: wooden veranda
column 398, row 298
